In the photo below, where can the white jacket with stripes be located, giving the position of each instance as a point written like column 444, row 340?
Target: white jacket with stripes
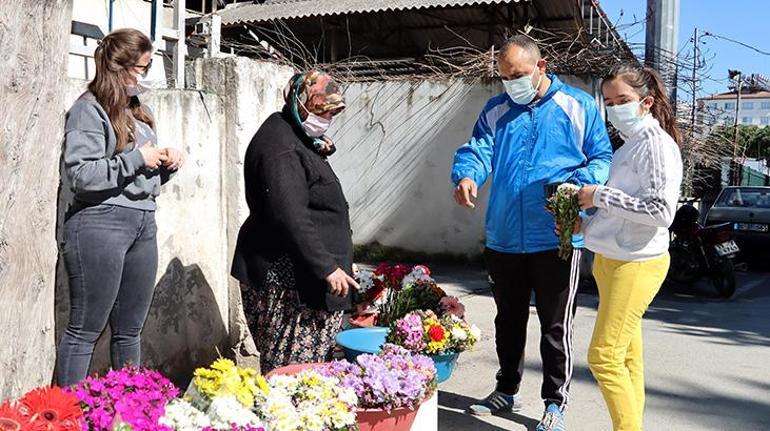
column 637, row 205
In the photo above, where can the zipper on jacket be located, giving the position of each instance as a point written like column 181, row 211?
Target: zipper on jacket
column 525, row 180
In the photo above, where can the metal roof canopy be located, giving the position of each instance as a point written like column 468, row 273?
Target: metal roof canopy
column 289, row 9
column 338, row 29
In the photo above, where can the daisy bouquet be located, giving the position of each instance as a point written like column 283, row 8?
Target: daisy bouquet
column 308, row 401
column 564, row 206
column 223, row 378
column 220, row 397
column 224, row 413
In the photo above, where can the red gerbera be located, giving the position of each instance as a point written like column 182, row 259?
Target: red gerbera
column 436, row 333
column 50, row 408
column 11, row 418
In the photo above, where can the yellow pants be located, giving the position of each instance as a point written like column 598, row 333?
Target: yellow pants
column 615, row 356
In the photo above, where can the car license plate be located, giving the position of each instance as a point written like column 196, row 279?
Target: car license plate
column 756, row 227
column 727, row 248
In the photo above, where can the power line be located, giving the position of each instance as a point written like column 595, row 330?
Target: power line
column 745, row 45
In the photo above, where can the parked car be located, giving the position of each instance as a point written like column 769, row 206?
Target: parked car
column 748, row 209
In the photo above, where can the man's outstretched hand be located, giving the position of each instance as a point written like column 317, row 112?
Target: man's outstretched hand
column 466, row 190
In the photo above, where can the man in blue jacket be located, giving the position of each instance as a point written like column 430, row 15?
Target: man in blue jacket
column 540, row 131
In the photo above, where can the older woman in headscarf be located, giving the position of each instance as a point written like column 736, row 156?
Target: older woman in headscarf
column 294, row 252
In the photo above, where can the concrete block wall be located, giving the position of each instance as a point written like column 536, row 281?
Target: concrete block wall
column 396, row 143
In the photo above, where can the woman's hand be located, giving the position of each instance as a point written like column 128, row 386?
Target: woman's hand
column 339, row 283
column 586, row 197
column 153, row 157
column 174, row 158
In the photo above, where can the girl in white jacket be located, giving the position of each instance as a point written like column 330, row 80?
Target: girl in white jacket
column 628, row 232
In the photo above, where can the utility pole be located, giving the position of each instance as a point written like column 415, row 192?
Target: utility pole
column 661, row 41
column 180, row 46
column 736, row 177
column 689, row 168
column 694, row 81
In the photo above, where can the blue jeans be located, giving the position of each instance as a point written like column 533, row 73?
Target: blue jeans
column 111, row 255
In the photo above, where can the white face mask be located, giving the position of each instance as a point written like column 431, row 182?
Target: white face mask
column 315, row 126
column 521, row 90
column 625, row 117
column 143, row 84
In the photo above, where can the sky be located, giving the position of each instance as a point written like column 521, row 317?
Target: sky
column 742, row 20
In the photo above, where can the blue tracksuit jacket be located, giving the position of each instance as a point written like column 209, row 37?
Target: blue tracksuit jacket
column 561, row 138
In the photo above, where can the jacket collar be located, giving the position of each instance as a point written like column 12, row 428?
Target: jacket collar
column 555, row 87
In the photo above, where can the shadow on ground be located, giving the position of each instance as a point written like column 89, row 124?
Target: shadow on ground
column 453, row 411
column 712, row 408
column 699, row 312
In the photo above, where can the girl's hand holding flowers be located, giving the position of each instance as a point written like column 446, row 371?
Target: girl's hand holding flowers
column 586, row 196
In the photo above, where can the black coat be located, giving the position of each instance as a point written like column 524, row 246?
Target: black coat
column 297, row 207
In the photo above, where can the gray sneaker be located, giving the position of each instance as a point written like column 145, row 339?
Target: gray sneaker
column 496, row 402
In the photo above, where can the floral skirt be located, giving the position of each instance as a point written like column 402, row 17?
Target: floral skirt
column 284, row 331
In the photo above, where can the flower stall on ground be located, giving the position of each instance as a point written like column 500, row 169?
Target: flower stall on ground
column 392, row 387
column 404, row 305
column 376, row 393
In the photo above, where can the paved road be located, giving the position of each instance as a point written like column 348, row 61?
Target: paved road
column 707, row 361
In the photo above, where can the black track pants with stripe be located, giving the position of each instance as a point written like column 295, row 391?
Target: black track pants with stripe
column 554, row 282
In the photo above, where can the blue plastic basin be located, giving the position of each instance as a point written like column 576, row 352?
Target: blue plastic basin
column 358, row 341
column 445, row 364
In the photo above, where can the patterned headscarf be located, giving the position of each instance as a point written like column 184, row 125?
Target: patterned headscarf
column 319, row 94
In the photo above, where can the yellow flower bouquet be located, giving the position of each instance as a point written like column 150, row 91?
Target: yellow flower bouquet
column 223, row 378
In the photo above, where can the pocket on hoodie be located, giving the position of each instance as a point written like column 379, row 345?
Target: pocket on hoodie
column 634, row 236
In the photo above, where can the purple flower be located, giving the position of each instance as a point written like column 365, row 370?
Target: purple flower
column 409, row 332
column 137, row 396
column 237, row 428
column 392, row 379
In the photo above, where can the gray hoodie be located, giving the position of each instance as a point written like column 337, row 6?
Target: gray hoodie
column 99, row 175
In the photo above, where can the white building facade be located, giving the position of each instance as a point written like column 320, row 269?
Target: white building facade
column 722, row 108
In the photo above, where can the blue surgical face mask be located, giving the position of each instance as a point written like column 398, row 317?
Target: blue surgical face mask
column 625, row 117
column 521, row 90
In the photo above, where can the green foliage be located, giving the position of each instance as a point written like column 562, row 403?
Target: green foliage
column 565, row 208
column 754, row 139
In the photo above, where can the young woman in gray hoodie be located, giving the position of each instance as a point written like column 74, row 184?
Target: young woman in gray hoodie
column 115, row 169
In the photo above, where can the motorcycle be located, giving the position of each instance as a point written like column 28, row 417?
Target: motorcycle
column 698, row 251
